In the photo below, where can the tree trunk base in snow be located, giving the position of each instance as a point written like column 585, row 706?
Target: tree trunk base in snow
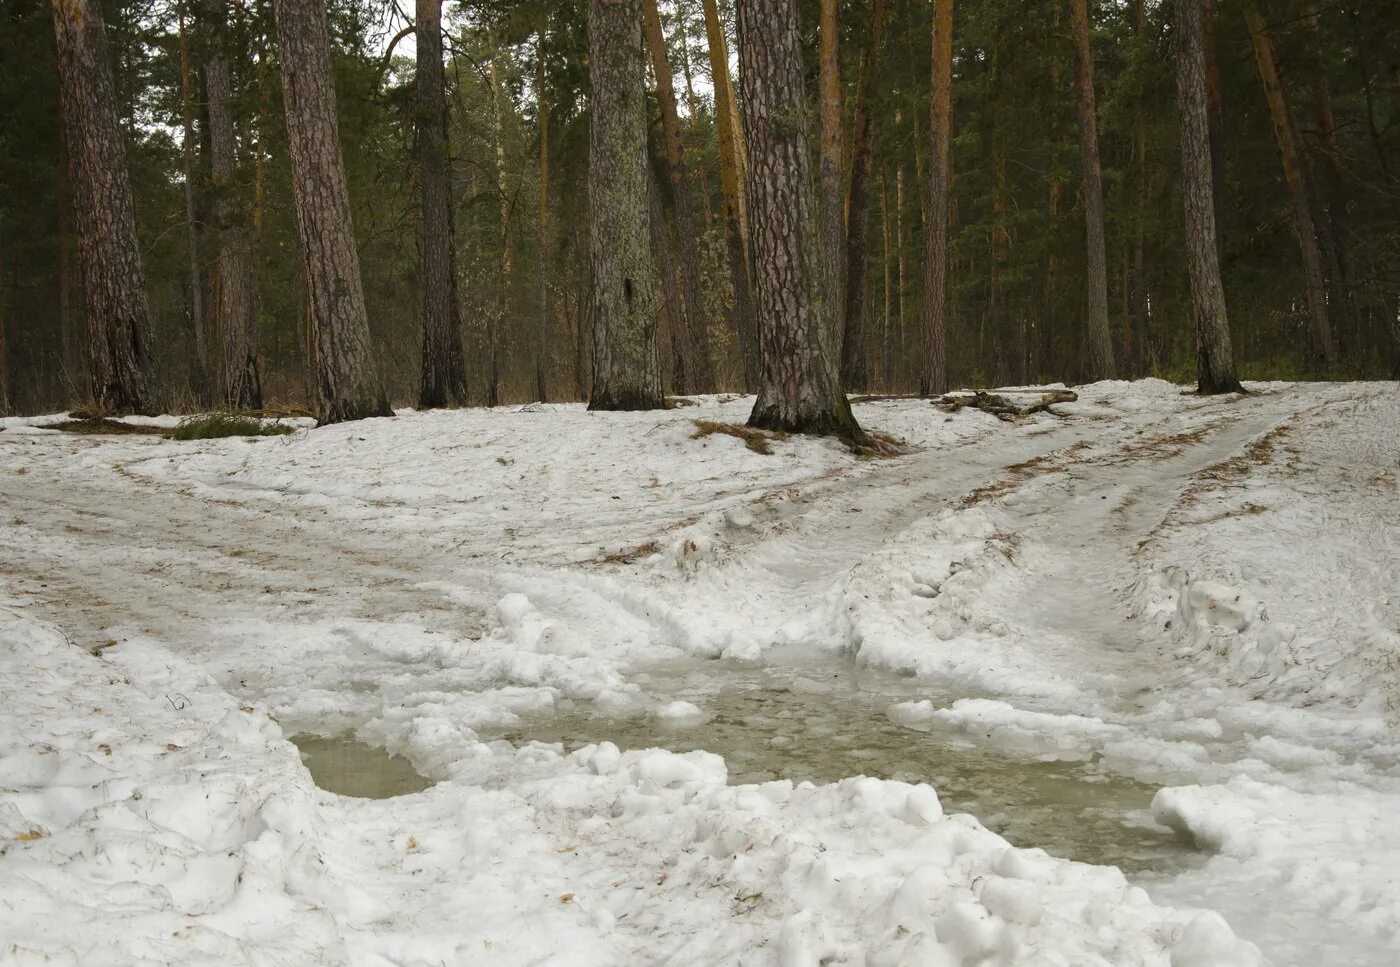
column 627, row 400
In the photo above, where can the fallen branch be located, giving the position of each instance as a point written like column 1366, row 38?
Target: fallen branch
column 1001, row 407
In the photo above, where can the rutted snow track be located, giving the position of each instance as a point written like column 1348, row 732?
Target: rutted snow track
column 423, row 580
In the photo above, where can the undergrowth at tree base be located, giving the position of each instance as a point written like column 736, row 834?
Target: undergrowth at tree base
column 214, row 426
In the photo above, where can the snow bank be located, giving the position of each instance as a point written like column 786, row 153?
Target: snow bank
column 147, row 817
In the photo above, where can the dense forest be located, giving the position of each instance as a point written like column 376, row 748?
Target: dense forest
column 782, row 196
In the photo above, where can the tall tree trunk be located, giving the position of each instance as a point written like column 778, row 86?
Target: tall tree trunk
column 4, row 347
column 1328, row 176
column 731, row 182
column 691, row 329
column 886, row 347
column 855, row 342
column 1291, row 150
column 1100, row 342
column 933, row 373
column 118, row 322
column 901, row 275
column 626, row 373
column 1215, row 115
column 1215, row 363
column 235, row 266
column 663, row 250
column 542, row 227
column 800, row 388
column 201, row 379
column 444, row 377
column 496, row 319
column 830, row 198
column 67, row 315
column 347, row 385
column 1138, row 277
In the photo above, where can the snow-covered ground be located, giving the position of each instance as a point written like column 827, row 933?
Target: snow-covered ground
column 1194, row 593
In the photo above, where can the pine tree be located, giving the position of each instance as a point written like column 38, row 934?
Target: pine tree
column 855, row 341
column 626, row 301
column 347, row 385
column 1100, row 343
column 119, row 331
column 235, row 303
column 934, row 371
column 799, row 385
column 1215, row 364
column 730, row 142
column 444, row 377
column 692, row 337
column 1295, row 176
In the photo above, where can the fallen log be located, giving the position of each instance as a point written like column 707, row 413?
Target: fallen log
column 1000, row 406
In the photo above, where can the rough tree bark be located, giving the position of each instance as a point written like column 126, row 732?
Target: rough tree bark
column 347, row 386
column 1215, row 364
column 731, row 183
column 626, row 373
column 118, row 322
column 1100, row 342
column 692, row 332
column 444, row 378
column 1295, row 176
column 855, row 342
column 235, row 301
column 933, row 373
column 799, row 386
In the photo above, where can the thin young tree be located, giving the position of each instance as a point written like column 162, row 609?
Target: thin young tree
column 1295, row 176
column 1215, row 362
column 693, row 342
column 855, row 341
column 933, row 376
column 444, row 378
column 626, row 299
column 201, row 378
column 544, row 270
column 799, row 385
column 118, row 321
column 347, row 384
column 235, row 303
column 1100, row 342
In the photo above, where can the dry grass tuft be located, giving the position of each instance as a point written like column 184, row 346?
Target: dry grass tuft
column 630, row 554
column 89, row 425
column 759, row 441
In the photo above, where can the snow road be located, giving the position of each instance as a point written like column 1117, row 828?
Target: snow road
column 1194, row 593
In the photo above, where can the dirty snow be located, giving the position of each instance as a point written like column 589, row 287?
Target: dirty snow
column 1196, row 593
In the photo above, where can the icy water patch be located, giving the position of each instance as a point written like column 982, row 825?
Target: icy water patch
column 822, row 722
column 347, row 767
